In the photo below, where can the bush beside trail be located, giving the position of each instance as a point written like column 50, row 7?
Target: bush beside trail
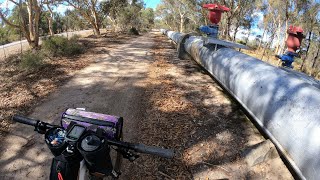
column 55, row 46
column 32, row 60
column 62, row 46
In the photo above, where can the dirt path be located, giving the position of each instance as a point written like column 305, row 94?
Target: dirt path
column 111, row 85
column 165, row 102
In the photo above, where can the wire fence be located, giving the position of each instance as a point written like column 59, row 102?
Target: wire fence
column 13, row 48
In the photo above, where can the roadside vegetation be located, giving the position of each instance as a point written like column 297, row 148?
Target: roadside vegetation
column 55, row 46
column 29, row 20
column 61, row 46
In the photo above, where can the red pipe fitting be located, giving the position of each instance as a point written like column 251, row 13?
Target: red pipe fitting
column 295, row 36
column 215, row 11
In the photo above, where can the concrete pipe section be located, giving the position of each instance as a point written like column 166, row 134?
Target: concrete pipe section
column 284, row 103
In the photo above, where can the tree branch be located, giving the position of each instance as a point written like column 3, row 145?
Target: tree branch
column 16, row 3
column 6, row 21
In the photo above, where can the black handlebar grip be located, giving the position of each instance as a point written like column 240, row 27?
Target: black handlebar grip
column 166, row 153
column 24, row 120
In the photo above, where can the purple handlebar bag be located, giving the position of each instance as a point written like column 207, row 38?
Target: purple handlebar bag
column 111, row 125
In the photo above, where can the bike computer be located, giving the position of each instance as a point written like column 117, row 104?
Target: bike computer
column 75, row 133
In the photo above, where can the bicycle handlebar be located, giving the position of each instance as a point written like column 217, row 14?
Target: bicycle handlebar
column 39, row 126
column 141, row 148
column 166, row 153
column 25, row 120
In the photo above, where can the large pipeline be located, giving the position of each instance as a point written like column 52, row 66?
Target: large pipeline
column 285, row 104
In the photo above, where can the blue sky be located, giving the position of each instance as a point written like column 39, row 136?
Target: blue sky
column 152, row 3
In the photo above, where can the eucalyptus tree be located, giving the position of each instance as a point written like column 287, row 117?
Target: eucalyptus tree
column 111, row 10
column 176, row 13
column 27, row 19
column 89, row 10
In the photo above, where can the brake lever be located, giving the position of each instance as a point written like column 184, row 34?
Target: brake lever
column 42, row 127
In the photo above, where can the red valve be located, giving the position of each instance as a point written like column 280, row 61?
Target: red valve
column 215, row 11
column 295, row 36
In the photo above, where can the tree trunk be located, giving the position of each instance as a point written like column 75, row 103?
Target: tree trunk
column 181, row 23
column 283, row 43
column 113, row 23
column 50, row 26
column 235, row 33
column 96, row 22
column 30, row 29
column 30, row 18
column 267, row 45
column 248, row 36
column 96, row 30
column 264, row 31
column 278, row 35
column 36, row 35
column 314, row 61
column 228, row 28
column 33, row 26
column 50, row 21
column 305, row 58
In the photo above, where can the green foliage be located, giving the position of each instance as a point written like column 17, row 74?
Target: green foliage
column 113, row 8
column 147, row 18
column 72, row 20
column 126, row 16
column 8, row 34
column 43, row 24
column 3, row 36
column 61, row 46
column 129, row 17
column 31, row 60
column 241, row 42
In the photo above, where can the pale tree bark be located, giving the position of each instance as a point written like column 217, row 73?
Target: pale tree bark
column 283, row 43
column 315, row 59
column 87, row 9
column 305, row 58
column 29, row 29
column 247, row 39
column 264, row 31
column 182, row 15
column 278, row 34
column 268, row 44
column 95, row 17
column 182, row 20
column 50, row 20
column 286, row 35
column 114, row 24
